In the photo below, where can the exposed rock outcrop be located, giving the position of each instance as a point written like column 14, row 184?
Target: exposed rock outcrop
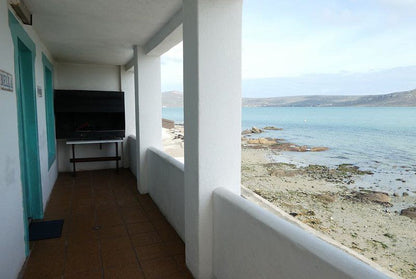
column 409, row 212
column 272, row 128
column 373, row 196
column 253, row 130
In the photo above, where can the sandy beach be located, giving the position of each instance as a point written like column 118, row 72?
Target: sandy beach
column 365, row 221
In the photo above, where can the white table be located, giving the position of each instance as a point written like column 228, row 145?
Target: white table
column 75, row 160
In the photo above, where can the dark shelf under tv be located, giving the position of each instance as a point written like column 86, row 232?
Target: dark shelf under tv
column 75, row 160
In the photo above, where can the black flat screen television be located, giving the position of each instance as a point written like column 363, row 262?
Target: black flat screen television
column 89, row 115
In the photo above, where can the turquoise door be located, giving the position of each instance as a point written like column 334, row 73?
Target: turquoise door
column 50, row 119
column 29, row 134
column 24, row 60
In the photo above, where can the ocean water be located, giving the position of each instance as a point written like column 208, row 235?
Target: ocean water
column 382, row 140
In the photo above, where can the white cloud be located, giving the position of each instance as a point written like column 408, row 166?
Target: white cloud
column 172, row 69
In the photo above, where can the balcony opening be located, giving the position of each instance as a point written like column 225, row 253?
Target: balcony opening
column 172, row 102
column 329, row 121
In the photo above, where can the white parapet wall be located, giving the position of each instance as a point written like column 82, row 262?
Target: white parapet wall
column 132, row 155
column 166, row 187
column 250, row 242
column 166, row 183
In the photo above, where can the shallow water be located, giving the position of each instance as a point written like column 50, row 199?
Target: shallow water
column 382, row 140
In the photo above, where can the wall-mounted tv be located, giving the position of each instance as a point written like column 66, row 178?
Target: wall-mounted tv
column 89, row 115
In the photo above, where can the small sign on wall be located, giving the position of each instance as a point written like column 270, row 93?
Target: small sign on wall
column 6, row 81
column 39, row 91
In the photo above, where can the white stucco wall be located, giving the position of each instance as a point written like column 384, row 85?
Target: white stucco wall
column 250, row 242
column 12, row 245
column 166, row 184
column 86, row 77
column 166, row 187
column 127, row 86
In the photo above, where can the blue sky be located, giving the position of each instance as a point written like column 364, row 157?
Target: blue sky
column 296, row 38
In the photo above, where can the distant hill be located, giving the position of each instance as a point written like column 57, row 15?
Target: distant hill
column 172, row 99
column 398, row 99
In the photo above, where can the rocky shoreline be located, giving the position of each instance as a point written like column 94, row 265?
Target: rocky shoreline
column 323, row 198
column 274, row 143
column 376, row 224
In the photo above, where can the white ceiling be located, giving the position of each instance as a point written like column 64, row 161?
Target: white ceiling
column 98, row 31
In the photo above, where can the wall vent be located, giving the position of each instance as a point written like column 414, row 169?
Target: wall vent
column 21, row 11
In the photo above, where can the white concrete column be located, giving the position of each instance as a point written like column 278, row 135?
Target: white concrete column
column 148, row 102
column 212, row 104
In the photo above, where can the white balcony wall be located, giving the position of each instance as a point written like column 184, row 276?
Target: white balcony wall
column 166, row 184
column 166, row 187
column 132, row 154
column 12, row 245
column 250, row 242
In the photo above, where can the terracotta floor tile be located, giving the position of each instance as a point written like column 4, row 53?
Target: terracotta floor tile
column 47, row 252
column 58, row 243
column 117, row 231
column 119, row 258
column 175, row 248
column 82, row 246
column 104, row 204
column 159, row 268
column 152, row 252
column 145, row 239
column 81, row 262
column 133, row 207
column 161, row 224
column 45, row 266
column 81, row 235
column 155, row 215
column 84, row 275
column 108, row 218
column 180, row 275
column 180, row 261
column 141, row 227
column 149, row 206
column 125, row 272
column 126, row 218
column 113, row 245
column 169, row 234
column 132, row 216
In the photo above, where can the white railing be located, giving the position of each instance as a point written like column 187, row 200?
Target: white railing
column 131, row 150
column 250, row 242
column 166, row 187
column 165, row 183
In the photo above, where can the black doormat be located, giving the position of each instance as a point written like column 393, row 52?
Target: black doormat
column 45, row 230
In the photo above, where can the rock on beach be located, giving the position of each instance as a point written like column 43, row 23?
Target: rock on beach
column 373, row 196
column 253, row 130
column 409, row 212
column 272, row 128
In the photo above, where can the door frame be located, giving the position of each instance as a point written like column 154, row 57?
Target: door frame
column 31, row 183
column 49, row 109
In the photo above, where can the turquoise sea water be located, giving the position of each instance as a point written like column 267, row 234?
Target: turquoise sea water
column 382, row 140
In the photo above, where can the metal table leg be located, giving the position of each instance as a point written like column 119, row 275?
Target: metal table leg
column 73, row 160
column 117, row 156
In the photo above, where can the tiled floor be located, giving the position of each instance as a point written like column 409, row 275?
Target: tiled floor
column 110, row 231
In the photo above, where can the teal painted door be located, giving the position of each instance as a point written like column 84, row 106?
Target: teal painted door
column 24, row 61
column 50, row 119
column 28, row 134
